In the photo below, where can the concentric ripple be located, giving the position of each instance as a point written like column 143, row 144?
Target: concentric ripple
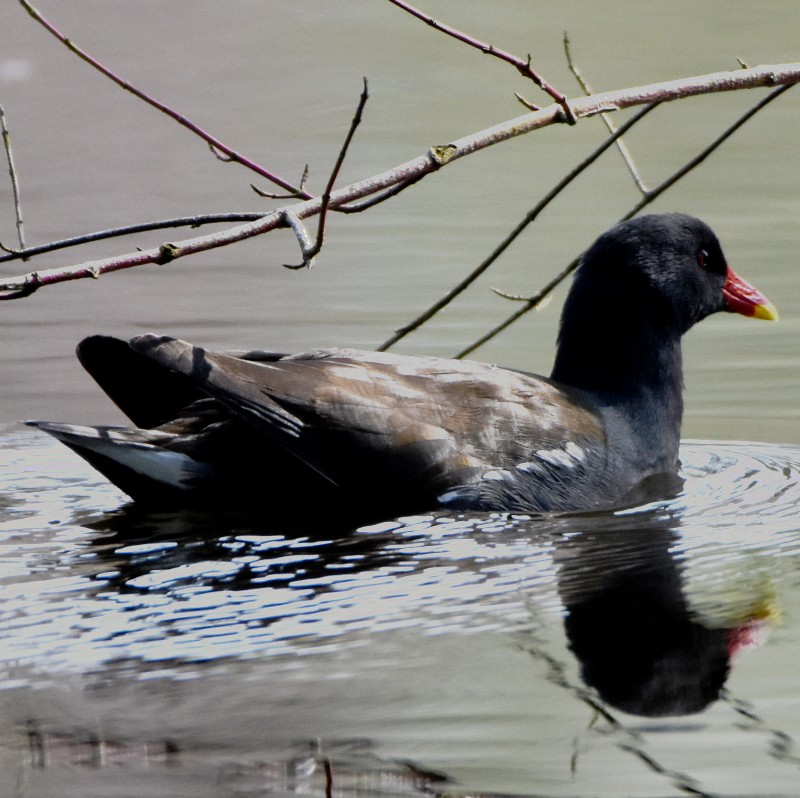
column 85, row 578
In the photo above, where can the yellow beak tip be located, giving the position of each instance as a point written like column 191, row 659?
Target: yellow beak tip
column 767, row 312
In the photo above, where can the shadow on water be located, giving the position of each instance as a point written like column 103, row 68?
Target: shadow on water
column 428, row 654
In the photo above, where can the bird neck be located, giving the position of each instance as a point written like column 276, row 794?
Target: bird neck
column 636, row 374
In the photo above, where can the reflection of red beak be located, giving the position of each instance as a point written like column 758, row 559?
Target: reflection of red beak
column 753, row 632
column 741, row 297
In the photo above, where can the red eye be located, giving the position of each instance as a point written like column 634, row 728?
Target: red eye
column 702, row 259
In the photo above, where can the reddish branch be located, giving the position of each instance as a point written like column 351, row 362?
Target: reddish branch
column 216, row 145
column 431, row 161
column 523, row 67
column 12, row 171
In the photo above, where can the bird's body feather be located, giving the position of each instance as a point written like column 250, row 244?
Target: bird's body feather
column 402, row 433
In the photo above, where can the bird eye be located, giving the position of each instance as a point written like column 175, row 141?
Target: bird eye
column 702, row 259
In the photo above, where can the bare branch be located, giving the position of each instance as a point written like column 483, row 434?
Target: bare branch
column 212, row 141
column 377, row 199
column 533, row 302
column 12, row 170
column 621, row 146
column 782, row 74
column 118, row 232
column 511, row 237
column 522, row 66
column 701, row 156
column 310, row 254
column 536, row 300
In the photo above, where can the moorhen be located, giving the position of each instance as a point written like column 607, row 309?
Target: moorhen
column 397, row 433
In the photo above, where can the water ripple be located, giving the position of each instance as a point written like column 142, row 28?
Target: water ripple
column 85, row 581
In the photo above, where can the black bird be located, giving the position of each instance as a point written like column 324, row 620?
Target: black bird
column 390, row 433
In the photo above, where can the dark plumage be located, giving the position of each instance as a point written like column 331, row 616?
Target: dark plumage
column 395, row 433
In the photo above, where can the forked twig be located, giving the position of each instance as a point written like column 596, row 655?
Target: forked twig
column 308, row 250
column 460, row 287
column 12, row 170
column 218, row 146
column 536, row 299
column 522, row 66
column 310, row 253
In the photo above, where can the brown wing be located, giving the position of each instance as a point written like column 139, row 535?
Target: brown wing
column 143, row 390
column 367, row 417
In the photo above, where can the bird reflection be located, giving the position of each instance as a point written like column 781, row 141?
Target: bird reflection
column 628, row 621
column 620, row 577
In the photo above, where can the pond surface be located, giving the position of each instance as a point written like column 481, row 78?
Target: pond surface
column 649, row 652
column 646, row 653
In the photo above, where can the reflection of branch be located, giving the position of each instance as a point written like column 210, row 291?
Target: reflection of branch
column 780, row 744
column 626, row 737
column 523, row 67
column 431, row 161
column 621, row 146
column 511, row 237
column 212, row 141
column 328, row 767
column 649, row 197
column 14, row 182
column 309, row 253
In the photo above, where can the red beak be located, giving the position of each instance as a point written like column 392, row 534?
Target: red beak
column 741, row 297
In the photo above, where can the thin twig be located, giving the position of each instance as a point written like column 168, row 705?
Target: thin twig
column 621, row 146
column 118, row 232
column 529, row 105
column 652, row 194
column 460, row 287
column 295, row 195
column 509, row 296
column 522, row 66
column 415, row 169
column 310, row 254
column 532, row 302
column 358, row 207
column 212, row 141
column 12, row 170
column 220, row 156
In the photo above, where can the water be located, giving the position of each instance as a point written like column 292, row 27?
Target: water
column 645, row 652
column 282, row 86
column 225, row 655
